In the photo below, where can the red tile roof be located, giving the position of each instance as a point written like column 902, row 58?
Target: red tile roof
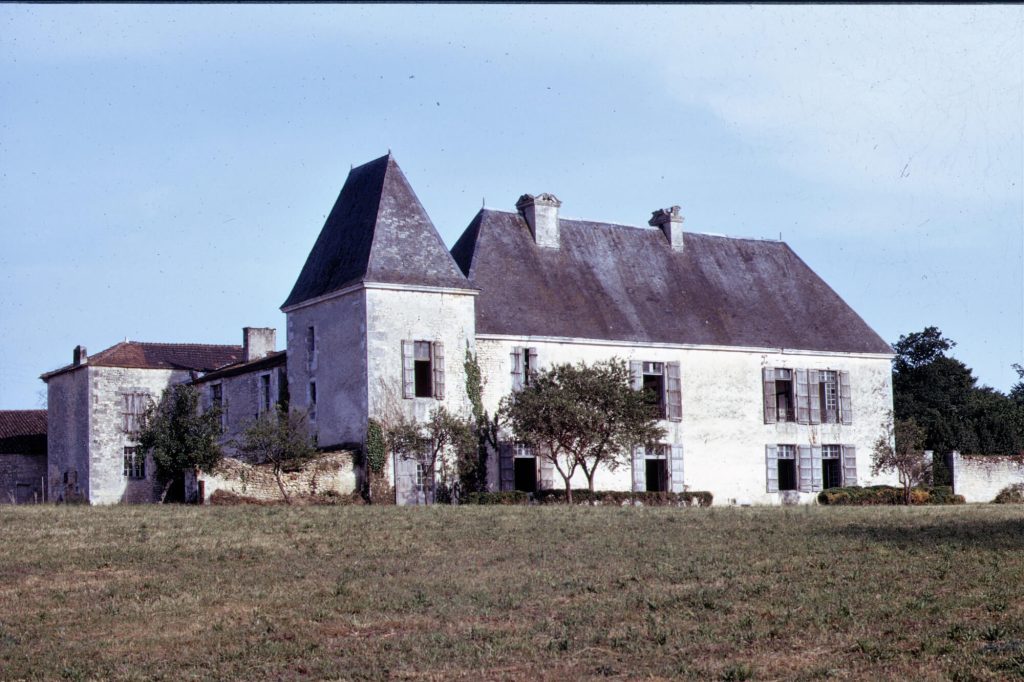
column 23, row 432
column 140, row 355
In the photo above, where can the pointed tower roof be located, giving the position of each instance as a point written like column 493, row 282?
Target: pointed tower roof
column 378, row 232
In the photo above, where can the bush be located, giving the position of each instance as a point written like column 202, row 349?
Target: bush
column 623, row 497
column 502, row 498
column 1011, row 494
column 887, row 494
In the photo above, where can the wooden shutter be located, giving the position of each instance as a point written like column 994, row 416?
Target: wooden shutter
column 405, row 480
column 675, row 468
column 517, row 368
column 816, row 472
column 814, row 390
column 639, row 470
column 674, row 392
column 636, row 375
column 506, row 467
column 849, row 465
column 408, row 369
column 438, row 367
column 845, row 402
column 547, row 473
column 803, row 404
column 804, row 467
column 770, row 413
column 771, row 460
column 533, row 362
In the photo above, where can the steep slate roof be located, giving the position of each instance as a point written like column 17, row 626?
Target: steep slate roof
column 614, row 282
column 141, row 355
column 273, row 359
column 23, row 432
column 377, row 232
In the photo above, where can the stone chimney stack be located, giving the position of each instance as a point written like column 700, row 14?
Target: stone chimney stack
column 671, row 223
column 257, row 342
column 79, row 356
column 541, row 214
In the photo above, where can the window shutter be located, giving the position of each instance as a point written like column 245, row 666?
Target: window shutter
column 636, row 375
column 506, row 467
column 771, row 458
column 769, row 402
column 547, row 473
column 405, row 480
column 676, row 469
column 517, row 368
column 813, row 387
column 639, row 470
column 849, row 465
column 804, row 468
column 803, row 407
column 816, row 472
column 438, row 367
column 845, row 402
column 533, row 362
column 408, row 370
column 674, row 392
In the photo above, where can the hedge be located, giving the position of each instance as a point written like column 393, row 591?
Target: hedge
column 598, row 497
column 887, row 494
column 503, row 498
column 1011, row 494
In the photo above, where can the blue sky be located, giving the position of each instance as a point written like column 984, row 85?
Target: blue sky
column 164, row 170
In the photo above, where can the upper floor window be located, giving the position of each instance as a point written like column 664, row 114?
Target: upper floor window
column 311, row 346
column 662, row 387
column 312, row 401
column 524, row 366
column 828, row 395
column 217, row 402
column 263, row 399
column 806, row 396
column 423, row 369
column 133, row 412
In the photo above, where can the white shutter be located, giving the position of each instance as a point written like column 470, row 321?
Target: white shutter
column 547, row 473
column 845, row 402
column 674, row 392
column 517, row 368
column 438, row 367
column 506, row 467
column 849, row 465
column 770, row 412
column 771, row 459
column 813, row 387
column 676, row 469
column 636, row 375
column 804, row 468
column 803, row 408
column 405, row 480
column 816, row 472
column 408, row 370
column 533, row 362
column 639, row 470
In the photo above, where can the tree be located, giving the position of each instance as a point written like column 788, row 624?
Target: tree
column 438, row 444
column 901, row 449
column 580, row 416
column 179, row 437
column 473, row 470
column 280, row 438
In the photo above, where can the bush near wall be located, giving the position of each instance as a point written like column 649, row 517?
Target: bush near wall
column 622, row 497
column 1011, row 494
column 502, row 498
column 327, row 497
column 887, row 494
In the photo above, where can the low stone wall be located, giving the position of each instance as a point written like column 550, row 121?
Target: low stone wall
column 332, row 471
column 21, row 478
column 979, row 478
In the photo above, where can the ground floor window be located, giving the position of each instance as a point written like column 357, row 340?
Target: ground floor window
column 525, row 474
column 787, row 467
column 134, row 463
column 831, row 466
column 656, row 475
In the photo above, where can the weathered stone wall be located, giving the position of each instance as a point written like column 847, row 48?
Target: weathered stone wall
column 67, row 439
column 979, row 478
column 240, row 401
column 330, row 472
column 723, row 433
column 22, row 478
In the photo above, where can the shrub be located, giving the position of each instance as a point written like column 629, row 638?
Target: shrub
column 623, row 497
column 886, row 494
column 1011, row 494
column 503, row 498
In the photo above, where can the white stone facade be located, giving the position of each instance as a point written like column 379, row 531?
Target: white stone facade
column 980, row 478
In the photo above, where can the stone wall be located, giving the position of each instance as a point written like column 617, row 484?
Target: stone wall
column 722, row 432
column 331, row 472
column 241, row 405
column 21, row 478
column 67, row 439
column 979, row 478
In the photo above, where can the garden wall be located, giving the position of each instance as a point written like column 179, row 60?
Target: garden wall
column 979, row 478
column 332, row 471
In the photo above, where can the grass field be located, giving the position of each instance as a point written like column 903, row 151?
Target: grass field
column 511, row 593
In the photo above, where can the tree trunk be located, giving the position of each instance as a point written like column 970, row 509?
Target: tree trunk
column 280, row 485
column 568, row 490
column 590, row 477
column 167, row 489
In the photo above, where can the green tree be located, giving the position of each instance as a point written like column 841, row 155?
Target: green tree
column 582, row 416
column 901, row 449
column 473, row 467
column 282, row 439
column 180, row 438
column 438, row 444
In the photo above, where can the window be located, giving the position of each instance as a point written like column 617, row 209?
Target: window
column 264, row 394
column 656, row 475
column 133, row 412
column 312, row 401
column 524, row 367
column 787, row 467
column 654, row 388
column 661, row 384
column 423, row 369
column 311, row 347
column 217, row 402
column 134, row 463
column 658, row 468
column 525, row 474
column 806, row 396
column 828, row 396
column 831, row 466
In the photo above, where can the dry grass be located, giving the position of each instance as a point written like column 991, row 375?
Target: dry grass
column 511, row 593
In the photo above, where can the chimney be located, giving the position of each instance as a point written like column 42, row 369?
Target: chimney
column 79, row 356
column 257, row 342
column 541, row 214
column 671, row 223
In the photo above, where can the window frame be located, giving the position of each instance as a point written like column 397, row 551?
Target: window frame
column 134, row 463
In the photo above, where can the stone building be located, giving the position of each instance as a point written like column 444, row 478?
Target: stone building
column 22, row 456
